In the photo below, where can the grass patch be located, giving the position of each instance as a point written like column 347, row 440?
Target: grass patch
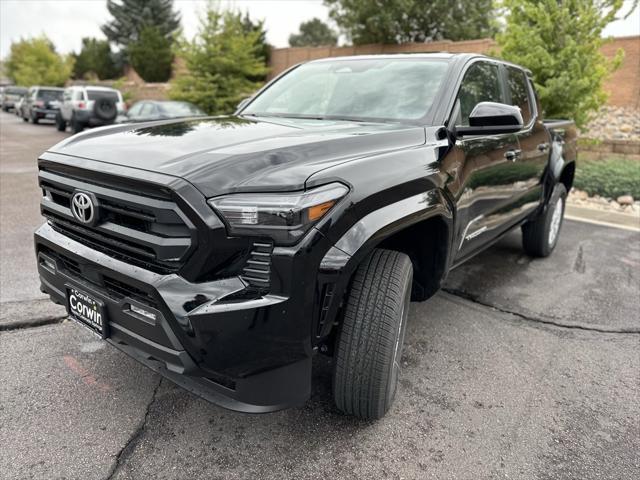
column 609, row 177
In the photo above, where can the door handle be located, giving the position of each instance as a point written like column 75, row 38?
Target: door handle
column 512, row 155
column 543, row 147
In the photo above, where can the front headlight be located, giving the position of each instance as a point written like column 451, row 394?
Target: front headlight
column 285, row 217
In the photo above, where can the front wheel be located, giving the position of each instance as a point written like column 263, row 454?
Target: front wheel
column 540, row 235
column 369, row 345
column 34, row 118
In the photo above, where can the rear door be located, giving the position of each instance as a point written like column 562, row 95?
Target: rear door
column 488, row 181
column 534, row 141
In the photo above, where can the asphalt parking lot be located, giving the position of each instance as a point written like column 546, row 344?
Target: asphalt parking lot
column 520, row 368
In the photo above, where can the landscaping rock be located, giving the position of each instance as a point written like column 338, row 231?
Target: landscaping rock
column 614, row 123
column 625, row 200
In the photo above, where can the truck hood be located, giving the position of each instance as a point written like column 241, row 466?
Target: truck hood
column 229, row 154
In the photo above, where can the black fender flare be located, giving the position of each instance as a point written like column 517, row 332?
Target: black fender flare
column 342, row 259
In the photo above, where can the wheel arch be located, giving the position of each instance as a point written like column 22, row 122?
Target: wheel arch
column 426, row 216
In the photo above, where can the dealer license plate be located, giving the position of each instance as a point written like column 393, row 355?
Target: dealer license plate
column 87, row 310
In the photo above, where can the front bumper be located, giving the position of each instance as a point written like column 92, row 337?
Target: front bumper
column 247, row 355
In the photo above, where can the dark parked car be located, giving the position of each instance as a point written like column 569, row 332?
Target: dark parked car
column 148, row 110
column 88, row 106
column 41, row 103
column 224, row 253
column 10, row 96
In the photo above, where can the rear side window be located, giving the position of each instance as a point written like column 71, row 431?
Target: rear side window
column 96, row 94
column 481, row 83
column 519, row 89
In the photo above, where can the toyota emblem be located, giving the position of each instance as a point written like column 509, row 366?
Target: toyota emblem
column 83, row 207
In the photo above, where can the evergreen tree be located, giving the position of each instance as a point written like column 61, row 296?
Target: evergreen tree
column 313, row 33
column 95, row 57
column 222, row 63
column 264, row 50
column 130, row 17
column 560, row 43
column 403, row 21
column 151, row 55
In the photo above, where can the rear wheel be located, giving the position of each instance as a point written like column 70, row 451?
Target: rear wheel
column 540, row 235
column 369, row 345
column 76, row 126
column 61, row 125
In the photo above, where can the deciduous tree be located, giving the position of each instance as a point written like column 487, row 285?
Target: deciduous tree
column 313, row 33
column 560, row 43
column 95, row 57
column 402, row 21
column 35, row 62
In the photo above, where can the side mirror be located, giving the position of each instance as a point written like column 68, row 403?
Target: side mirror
column 491, row 118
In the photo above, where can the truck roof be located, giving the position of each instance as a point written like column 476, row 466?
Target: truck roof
column 461, row 57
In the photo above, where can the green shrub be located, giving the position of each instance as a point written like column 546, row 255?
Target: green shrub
column 609, row 178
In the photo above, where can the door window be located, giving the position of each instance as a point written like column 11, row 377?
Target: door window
column 481, row 83
column 519, row 89
column 135, row 110
column 147, row 110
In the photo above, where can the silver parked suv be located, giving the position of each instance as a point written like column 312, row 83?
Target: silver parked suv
column 41, row 103
column 85, row 106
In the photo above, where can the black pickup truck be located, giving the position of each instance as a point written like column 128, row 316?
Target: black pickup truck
column 226, row 252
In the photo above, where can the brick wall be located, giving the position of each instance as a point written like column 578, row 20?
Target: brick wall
column 623, row 86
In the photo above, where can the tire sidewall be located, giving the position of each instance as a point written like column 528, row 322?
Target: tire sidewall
column 559, row 192
column 401, row 331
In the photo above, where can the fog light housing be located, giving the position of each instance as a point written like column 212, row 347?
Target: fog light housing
column 143, row 312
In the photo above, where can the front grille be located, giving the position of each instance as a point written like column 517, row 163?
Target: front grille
column 257, row 270
column 139, row 224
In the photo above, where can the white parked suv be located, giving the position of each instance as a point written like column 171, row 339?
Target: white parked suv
column 87, row 106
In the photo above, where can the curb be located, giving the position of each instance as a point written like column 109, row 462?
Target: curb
column 605, row 218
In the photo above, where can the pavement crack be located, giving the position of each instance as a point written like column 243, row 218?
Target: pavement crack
column 579, row 265
column 544, row 321
column 31, row 323
column 128, row 448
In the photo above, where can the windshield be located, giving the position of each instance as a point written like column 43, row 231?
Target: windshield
column 383, row 89
column 15, row 91
column 179, row 109
column 96, row 94
column 49, row 95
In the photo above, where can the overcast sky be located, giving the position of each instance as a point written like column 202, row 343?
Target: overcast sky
column 65, row 22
